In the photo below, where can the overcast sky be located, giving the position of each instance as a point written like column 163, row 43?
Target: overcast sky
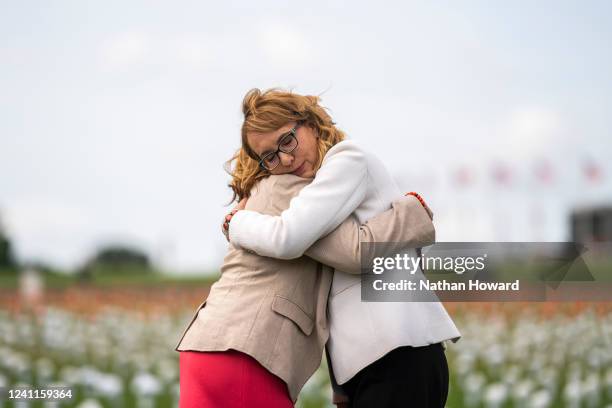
column 116, row 117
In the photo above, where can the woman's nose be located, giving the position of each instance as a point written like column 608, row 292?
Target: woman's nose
column 285, row 158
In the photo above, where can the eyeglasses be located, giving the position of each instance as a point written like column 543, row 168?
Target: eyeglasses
column 287, row 144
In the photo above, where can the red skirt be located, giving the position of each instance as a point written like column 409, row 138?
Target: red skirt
column 228, row 379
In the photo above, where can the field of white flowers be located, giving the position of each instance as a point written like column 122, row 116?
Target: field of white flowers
column 117, row 357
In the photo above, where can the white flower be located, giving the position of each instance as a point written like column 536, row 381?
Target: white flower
column 145, row 384
column 495, row 395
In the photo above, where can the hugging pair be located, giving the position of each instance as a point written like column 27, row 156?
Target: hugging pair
column 290, row 284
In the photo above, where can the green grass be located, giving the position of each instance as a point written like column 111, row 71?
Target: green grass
column 129, row 277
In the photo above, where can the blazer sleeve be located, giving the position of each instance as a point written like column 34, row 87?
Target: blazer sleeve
column 405, row 225
column 338, row 188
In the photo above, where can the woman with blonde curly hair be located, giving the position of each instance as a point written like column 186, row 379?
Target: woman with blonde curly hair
column 258, row 118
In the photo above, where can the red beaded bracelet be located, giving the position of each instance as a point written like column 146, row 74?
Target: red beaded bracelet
column 417, row 195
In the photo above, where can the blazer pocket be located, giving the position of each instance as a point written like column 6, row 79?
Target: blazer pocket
column 293, row 312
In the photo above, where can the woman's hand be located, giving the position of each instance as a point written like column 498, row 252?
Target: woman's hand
column 225, row 225
column 429, row 212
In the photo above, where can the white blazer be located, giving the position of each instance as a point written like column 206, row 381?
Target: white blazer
column 350, row 181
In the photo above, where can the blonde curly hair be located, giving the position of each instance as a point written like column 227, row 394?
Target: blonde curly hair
column 269, row 111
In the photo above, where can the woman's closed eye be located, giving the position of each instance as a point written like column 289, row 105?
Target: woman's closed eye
column 287, row 140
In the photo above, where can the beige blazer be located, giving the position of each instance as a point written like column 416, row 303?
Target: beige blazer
column 276, row 310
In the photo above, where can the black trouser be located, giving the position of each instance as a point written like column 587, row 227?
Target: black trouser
column 405, row 377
